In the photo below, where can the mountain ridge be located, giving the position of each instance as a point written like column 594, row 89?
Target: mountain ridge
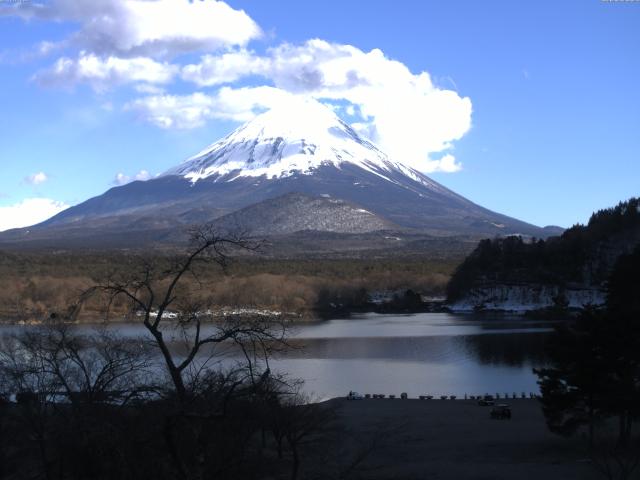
column 295, row 212
column 307, row 150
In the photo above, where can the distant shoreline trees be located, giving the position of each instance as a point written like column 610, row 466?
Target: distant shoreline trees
column 583, row 254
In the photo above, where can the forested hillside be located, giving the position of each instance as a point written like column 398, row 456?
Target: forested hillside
column 581, row 258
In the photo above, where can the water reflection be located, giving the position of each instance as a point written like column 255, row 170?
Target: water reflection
column 423, row 353
column 516, row 350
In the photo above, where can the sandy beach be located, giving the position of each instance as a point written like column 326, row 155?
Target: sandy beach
column 457, row 439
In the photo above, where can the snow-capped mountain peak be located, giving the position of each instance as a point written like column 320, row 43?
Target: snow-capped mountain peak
column 297, row 136
column 295, row 168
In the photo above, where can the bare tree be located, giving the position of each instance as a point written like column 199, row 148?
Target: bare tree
column 154, row 295
column 300, row 422
column 209, row 420
column 614, row 461
column 54, row 360
column 64, row 381
column 197, row 347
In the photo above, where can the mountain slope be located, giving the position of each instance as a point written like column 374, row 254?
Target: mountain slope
column 297, row 137
column 301, row 147
column 295, row 212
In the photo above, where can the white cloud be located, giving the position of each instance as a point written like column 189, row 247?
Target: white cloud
column 149, row 89
column 447, row 164
column 405, row 113
column 225, row 68
column 174, row 111
column 242, row 104
column 412, row 119
column 145, row 27
column 121, row 41
column 139, row 42
column 36, row 178
column 142, row 175
column 46, row 47
column 122, row 179
column 103, row 73
column 191, row 111
column 29, row 212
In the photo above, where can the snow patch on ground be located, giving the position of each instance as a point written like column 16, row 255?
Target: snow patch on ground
column 523, row 298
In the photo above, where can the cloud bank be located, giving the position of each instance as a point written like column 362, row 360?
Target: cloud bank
column 122, row 179
column 29, row 212
column 157, row 28
column 105, row 73
column 36, row 178
column 142, row 44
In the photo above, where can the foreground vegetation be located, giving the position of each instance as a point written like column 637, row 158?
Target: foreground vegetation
column 592, row 385
column 192, row 399
column 104, row 407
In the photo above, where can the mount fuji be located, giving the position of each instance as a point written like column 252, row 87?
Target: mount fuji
column 295, row 168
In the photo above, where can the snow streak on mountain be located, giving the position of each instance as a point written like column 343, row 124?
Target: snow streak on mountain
column 298, row 136
column 296, row 168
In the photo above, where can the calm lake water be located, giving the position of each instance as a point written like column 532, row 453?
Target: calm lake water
column 428, row 353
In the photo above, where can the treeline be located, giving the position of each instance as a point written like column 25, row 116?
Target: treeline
column 583, row 254
column 33, row 286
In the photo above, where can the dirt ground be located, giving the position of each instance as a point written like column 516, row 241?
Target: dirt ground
column 456, row 439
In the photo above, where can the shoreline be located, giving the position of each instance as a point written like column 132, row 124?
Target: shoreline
column 307, row 318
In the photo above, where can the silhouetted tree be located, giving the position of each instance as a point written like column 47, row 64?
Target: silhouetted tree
column 67, row 386
column 214, row 419
column 155, row 298
column 194, row 400
column 594, row 374
column 574, row 387
column 623, row 341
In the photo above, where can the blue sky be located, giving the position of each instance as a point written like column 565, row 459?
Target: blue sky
column 528, row 108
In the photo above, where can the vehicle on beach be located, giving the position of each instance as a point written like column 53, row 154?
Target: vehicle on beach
column 486, row 401
column 501, row 412
column 354, row 396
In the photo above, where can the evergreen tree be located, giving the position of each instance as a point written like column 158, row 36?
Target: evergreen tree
column 575, row 387
column 595, row 363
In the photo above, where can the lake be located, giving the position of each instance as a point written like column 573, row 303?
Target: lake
column 427, row 353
